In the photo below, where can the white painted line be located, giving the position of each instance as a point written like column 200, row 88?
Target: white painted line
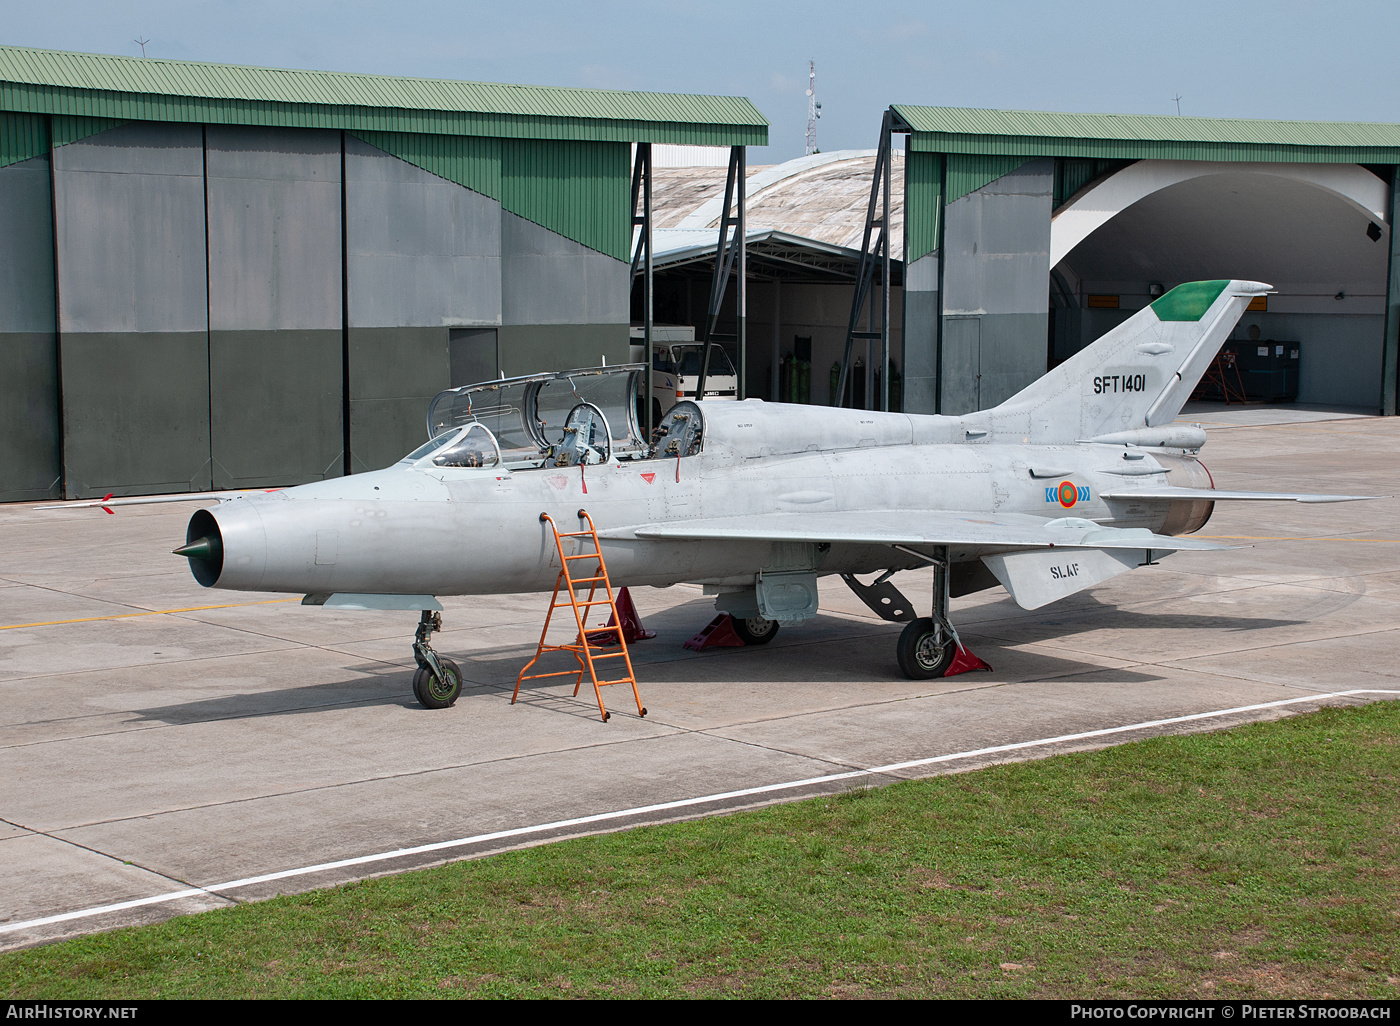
column 214, row 890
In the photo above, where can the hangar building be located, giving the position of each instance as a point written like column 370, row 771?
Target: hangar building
column 1029, row 234
column 223, row 277
column 805, row 227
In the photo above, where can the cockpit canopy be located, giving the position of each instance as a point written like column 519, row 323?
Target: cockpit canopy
column 569, row 419
column 537, row 416
column 470, row 446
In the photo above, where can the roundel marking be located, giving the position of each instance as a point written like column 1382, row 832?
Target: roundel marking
column 1069, row 494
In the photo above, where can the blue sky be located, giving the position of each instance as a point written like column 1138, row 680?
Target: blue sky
column 1287, row 59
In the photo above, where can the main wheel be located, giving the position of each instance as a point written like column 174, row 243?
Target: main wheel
column 438, row 694
column 755, row 630
column 921, row 657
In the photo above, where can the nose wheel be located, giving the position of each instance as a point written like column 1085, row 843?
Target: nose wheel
column 438, row 681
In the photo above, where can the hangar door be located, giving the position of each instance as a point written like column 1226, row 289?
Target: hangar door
column 1317, row 232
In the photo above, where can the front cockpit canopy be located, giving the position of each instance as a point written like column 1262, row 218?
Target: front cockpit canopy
column 470, row 446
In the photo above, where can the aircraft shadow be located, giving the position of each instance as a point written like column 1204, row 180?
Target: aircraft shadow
column 1092, row 614
column 391, row 689
column 828, row 651
column 825, row 651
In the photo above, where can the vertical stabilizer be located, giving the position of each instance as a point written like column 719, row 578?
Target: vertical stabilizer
column 1137, row 376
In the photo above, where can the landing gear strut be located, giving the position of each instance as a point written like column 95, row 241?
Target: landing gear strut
column 930, row 647
column 928, row 644
column 438, row 681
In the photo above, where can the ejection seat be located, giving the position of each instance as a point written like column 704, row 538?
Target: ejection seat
column 586, row 440
column 680, row 433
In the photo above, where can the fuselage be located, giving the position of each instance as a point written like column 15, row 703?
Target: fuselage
column 421, row 529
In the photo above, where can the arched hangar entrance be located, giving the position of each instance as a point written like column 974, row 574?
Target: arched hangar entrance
column 1317, row 232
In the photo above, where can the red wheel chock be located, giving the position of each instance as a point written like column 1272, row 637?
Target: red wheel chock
column 719, row 634
column 964, row 662
column 632, row 627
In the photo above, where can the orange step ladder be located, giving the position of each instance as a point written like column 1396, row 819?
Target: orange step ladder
column 587, row 655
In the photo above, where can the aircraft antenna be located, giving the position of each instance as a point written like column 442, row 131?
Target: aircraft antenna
column 814, row 108
column 142, row 44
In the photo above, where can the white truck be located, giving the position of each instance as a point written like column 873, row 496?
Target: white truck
column 675, row 363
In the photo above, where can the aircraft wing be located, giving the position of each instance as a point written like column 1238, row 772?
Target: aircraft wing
column 1212, row 494
column 904, row 527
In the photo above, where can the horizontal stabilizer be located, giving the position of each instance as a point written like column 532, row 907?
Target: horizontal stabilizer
column 1170, row 436
column 909, row 527
column 1212, row 494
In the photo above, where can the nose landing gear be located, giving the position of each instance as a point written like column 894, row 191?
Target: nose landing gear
column 438, row 680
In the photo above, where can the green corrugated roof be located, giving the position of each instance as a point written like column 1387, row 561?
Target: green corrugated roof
column 54, row 82
column 1134, row 136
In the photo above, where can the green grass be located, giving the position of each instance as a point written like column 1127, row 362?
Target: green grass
column 1261, row 861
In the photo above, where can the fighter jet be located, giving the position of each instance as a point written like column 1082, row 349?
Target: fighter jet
column 1079, row 477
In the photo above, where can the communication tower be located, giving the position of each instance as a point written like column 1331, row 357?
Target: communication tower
column 814, row 108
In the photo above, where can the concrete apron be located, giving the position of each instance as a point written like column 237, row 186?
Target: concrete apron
column 208, row 756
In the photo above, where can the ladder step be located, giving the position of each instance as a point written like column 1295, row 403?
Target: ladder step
column 565, row 603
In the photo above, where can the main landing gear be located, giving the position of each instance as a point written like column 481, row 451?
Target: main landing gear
column 929, row 646
column 925, row 649
column 755, row 630
column 438, row 681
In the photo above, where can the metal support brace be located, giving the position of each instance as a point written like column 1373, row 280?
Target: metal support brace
column 731, row 249
column 877, row 220
column 641, row 185
column 884, row 599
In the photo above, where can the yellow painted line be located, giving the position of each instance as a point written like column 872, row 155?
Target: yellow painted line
column 1256, row 537
column 152, row 612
